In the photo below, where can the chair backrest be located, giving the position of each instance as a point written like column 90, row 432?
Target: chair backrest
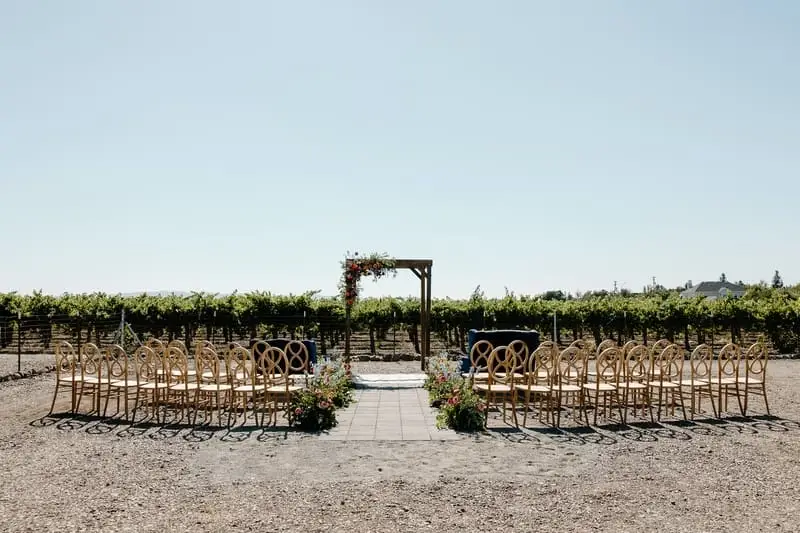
column 202, row 345
column 177, row 343
column 176, row 364
column 241, row 365
column 91, row 360
column 148, row 364
column 500, row 366
column 518, row 354
column 700, row 362
column 66, row 360
column 658, row 347
column 206, row 363
column 479, row 355
column 156, row 345
column 608, row 343
column 116, row 363
column 608, row 366
column 273, row 365
column 297, row 357
column 638, row 364
column 571, row 366
column 542, row 362
column 755, row 359
column 259, row 348
column 627, row 347
column 669, row 364
column 728, row 361
column 580, row 344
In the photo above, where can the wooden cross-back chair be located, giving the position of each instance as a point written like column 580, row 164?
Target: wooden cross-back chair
column 500, row 380
column 666, row 376
column 214, row 389
column 246, row 385
column 150, row 382
column 273, row 366
column 606, row 382
column 698, row 384
column 183, row 386
column 68, row 374
column 726, row 380
column 534, row 385
column 298, row 360
column 635, row 380
column 258, row 349
column 120, row 381
column 91, row 372
column 479, row 361
column 754, row 380
column 569, row 379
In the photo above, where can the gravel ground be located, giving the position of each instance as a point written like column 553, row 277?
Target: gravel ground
column 37, row 361
column 68, row 474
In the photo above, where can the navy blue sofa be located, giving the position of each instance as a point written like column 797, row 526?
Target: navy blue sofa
column 499, row 337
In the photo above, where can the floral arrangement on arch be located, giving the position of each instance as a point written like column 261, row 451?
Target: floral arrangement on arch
column 355, row 267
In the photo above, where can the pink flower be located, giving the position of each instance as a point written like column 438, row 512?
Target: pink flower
column 298, row 411
column 323, row 405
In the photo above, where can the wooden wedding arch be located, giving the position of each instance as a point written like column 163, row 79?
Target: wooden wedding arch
column 378, row 266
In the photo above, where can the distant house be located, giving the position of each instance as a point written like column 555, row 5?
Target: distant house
column 714, row 289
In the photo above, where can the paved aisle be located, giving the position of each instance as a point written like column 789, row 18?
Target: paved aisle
column 389, row 414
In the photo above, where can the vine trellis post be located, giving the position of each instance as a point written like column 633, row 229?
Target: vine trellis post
column 422, row 268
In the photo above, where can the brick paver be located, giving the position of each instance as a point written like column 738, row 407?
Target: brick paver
column 389, row 414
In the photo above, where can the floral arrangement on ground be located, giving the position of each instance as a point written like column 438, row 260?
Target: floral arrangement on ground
column 329, row 388
column 460, row 408
column 355, row 267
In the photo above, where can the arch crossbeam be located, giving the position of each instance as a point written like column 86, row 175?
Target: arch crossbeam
column 422, row 268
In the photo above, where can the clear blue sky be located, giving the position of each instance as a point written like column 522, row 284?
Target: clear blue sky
column 199, row 145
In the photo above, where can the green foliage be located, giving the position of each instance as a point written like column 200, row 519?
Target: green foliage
column 314, row 407
column 463, row 410
column 442, row 377
column 774, row 312
column 459, row 407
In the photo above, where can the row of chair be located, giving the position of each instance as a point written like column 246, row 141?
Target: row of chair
column 159, row 377
column 618, row 378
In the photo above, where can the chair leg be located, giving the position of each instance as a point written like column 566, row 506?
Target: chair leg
column 742, row 407
column 558, row 409
column 53, row 403
column 764, row 392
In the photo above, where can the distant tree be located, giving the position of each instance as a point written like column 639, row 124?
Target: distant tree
column 723, row 278
column 554, row 295
column 777, row 282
